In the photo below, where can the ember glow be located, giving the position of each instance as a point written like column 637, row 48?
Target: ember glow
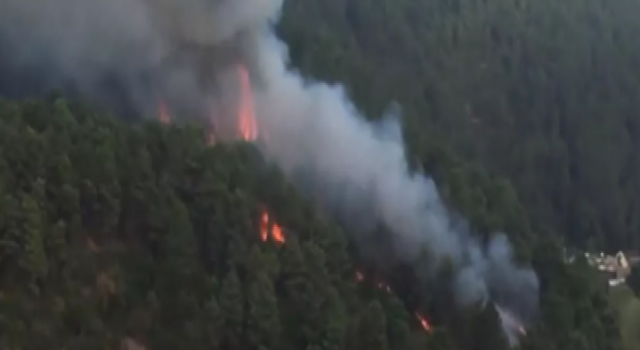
column 248, row 127
column 163, row 115
column 423, row 322
column 270, row 230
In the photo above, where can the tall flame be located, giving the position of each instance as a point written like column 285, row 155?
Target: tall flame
column 246, row 117
column 246, row 113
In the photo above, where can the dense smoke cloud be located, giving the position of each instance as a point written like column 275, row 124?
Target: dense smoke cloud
column 124, row 54
column 102, row 48
column 314, row 132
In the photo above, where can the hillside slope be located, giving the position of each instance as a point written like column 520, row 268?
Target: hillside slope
column 627, row 305
column 112, row 232
column 543, row 93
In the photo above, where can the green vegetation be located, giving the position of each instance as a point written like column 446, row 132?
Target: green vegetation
column 627, row 305
column 112, row 231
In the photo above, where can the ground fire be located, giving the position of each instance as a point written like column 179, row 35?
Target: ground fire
column 247, row 129
column 268, row 229
column 383, row 286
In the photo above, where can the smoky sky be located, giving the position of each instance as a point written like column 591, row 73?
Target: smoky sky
column 124, row 54
column 130, row 53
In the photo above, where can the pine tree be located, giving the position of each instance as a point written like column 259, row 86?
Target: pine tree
column 397, row 324
column 335, row 321
column 213, row 323
column 35, row 258
column 487, row 333
column 231, row 303
column 263, row 323
column 372, row 328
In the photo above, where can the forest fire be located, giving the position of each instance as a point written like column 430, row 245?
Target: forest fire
column 275, row 231
column 247, row 129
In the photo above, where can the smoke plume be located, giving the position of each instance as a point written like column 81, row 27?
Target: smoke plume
column 138, row 50
column 317, row 136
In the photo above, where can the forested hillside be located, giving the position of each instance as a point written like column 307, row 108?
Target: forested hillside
column 541, row 92
column 143, row 235
column 112, row 232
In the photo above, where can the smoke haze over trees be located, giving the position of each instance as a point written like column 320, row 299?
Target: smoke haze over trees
column 370, row 177
column 486, row 91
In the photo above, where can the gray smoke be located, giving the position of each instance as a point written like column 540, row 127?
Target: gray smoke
column 124, row 52
column 314, row 132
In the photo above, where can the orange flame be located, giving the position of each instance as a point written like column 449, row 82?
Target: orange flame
column 276, row 234
column 246, row 114
column 163, row 115
column 276, row 230
column 246, row 117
